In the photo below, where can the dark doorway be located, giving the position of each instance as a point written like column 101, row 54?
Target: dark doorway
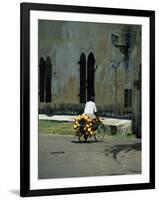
column 90, row 76
column 41, row 79
column 82, row 64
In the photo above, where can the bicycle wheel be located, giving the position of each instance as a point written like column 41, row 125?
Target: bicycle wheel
column 82, row 137
column 100, row 132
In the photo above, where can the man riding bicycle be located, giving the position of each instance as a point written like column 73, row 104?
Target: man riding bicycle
column 91, row 110
column 88, row 124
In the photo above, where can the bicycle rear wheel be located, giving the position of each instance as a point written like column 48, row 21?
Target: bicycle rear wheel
column 100, row 132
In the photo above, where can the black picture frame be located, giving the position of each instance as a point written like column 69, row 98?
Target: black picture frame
column 25, row 9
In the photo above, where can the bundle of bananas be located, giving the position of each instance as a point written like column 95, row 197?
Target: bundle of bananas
column 86, row 121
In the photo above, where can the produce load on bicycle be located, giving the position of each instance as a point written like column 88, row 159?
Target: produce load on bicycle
column 85, row 123
column 84, row 127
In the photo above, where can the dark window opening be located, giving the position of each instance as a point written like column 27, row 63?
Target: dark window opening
column 128, row 98
column 41, row 79
column 48, row 79
column 90, row 76
column 82, row 63
column 45, row 79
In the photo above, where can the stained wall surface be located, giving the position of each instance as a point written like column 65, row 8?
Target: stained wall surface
column 117, row 52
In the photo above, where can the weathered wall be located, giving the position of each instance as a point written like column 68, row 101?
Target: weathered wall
column 65, row 41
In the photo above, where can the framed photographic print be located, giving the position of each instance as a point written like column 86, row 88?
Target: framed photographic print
column 87, row 99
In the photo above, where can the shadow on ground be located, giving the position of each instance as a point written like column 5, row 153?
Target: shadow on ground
column 124, row 148
column 83, row 142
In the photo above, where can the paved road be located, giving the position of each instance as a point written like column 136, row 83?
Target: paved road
column 63, row 156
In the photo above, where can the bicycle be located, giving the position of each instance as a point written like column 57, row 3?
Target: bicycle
column 97, row 130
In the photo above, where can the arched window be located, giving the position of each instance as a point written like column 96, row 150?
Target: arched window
column 82, row 64
column 42, row 79
column 90, row 75
column 48, row 79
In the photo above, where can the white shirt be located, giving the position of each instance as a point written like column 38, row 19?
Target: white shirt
column 90, row 108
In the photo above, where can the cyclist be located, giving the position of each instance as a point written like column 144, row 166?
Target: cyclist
column 89, row 128
column 91, row 110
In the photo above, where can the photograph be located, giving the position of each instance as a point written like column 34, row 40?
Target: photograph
column 89, row 99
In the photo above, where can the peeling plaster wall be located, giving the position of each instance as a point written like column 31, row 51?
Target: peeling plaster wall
column 65, row 41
